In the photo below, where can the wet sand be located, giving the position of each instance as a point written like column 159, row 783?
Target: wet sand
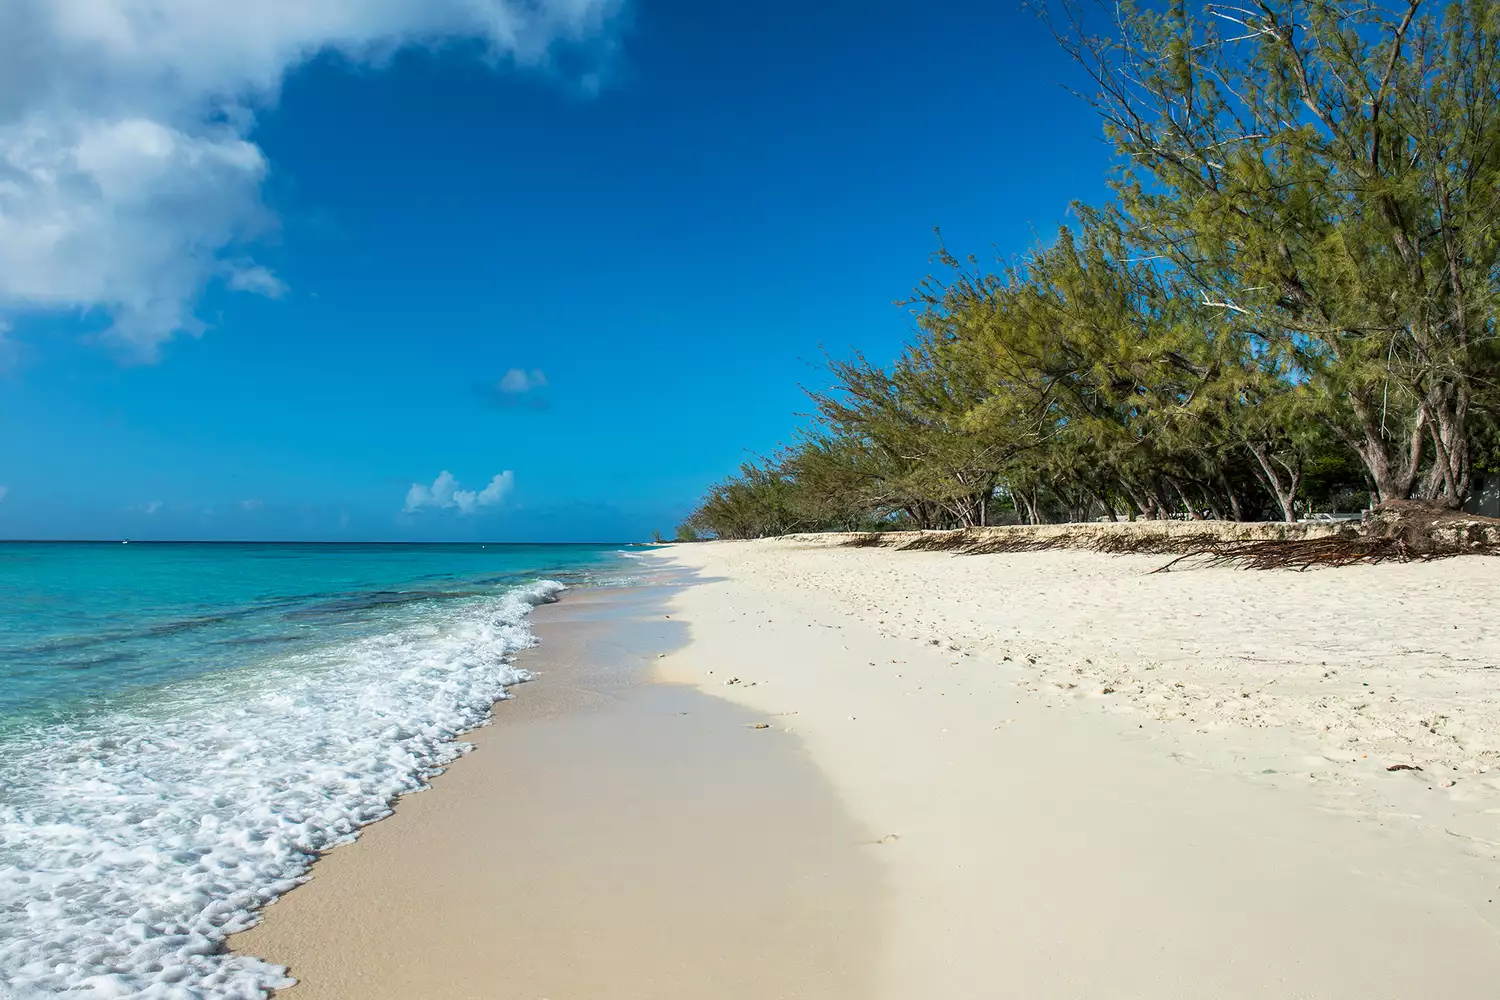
column 609, row 837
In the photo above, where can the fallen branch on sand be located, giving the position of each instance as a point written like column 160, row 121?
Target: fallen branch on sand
column 1299, row 554
column 1394, row 532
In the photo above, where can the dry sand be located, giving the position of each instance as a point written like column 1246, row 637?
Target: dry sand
column 1090, row 781
column 1041, row 775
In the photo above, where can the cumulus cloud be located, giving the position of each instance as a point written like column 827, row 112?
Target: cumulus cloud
column 149, row 507
column 127, row 175
column 445, row 494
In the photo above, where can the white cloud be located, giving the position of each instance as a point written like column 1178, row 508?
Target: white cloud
column 444, row 494
column 252, row 504
column 126, row 174
column 4, row 492
column 149, row 507
column 518, row 381
column 249, row 277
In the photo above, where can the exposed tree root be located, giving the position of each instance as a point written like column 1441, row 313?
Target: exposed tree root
column 1393, row 532
column 1301, row 553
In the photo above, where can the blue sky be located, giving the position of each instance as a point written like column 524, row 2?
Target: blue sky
column 295, row 269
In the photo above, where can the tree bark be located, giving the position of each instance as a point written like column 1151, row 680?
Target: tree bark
column 1109, row 508
column 1234, row 500
column 1284, row 492
column 1392, row 463
column 1449, row 477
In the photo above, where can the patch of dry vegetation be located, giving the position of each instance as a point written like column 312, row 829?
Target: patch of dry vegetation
column 1400, row 531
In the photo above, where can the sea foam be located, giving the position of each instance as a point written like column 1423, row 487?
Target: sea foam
column 133, row 843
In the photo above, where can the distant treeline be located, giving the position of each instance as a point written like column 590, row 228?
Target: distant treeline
column 1289, row 304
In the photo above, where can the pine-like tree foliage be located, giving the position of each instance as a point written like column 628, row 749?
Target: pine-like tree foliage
column 1328, row 175
column 1290, row 302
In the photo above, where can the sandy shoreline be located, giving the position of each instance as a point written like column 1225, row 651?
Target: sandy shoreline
column 1039, row 774
column 608, row 837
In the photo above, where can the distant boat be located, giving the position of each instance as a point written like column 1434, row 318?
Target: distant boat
column 124, row 541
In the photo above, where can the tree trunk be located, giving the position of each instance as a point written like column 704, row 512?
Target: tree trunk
column 1187, row 504
column 1449, row 477
column 1234, row 500
column 1158, row 504
column 1392, row 463
column 1029, row 502
column 1109, row 508
column 1134, row 502
column 1284, row 492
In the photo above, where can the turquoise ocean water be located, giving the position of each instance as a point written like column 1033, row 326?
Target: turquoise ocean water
column 182, row 727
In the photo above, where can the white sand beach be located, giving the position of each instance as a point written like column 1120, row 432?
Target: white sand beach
column 1082, row 779
column 1041, row 775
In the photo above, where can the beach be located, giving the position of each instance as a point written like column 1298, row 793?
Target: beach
column 909, row 774
column 185, row 728
column 607, row 837
column 1084, row 509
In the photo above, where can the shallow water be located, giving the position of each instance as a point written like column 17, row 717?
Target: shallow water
column 182, row 728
